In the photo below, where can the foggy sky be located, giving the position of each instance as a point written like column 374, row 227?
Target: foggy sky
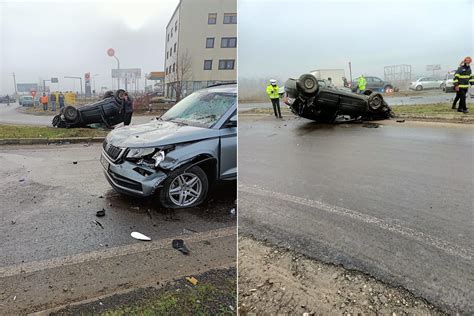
column 44, row 39
column 287, row 38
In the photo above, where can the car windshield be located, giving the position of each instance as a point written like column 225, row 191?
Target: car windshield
column 202, row 108
column 27, row 98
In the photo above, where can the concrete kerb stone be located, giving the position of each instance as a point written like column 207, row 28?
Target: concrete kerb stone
column 46, row 141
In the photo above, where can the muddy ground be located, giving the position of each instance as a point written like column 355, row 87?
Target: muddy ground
column 278, row 281
column 214, row 294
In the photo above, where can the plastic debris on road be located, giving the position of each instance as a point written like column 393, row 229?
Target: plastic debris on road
column 192, row 280
column 140, row 236
column 178, row 244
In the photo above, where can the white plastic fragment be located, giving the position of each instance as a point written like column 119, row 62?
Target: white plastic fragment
column 140, row 236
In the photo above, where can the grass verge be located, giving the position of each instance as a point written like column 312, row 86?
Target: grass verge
column 215, row 294
column 25, row 131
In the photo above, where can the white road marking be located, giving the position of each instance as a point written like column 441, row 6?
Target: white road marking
column 110, row 252
column 410, row 233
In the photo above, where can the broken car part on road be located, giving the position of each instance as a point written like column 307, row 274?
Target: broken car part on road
column 179, row 155
column 108, row 111
column 308, row 99
column 140, row 236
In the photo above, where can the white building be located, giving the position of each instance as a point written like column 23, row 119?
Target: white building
column 201, row 45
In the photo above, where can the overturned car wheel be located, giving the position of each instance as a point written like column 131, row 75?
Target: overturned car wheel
column 70, row 113
column 308, row 83
column 184, row 188
column 375, row 101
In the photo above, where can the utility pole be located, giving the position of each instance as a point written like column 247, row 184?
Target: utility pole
column 350, row 71
column 14, row 82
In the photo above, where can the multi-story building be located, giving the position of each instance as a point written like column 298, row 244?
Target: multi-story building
column 201, row 46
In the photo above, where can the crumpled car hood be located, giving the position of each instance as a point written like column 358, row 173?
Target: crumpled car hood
column 158, row 133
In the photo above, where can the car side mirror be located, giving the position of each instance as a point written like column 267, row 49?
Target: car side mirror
column 232, row 121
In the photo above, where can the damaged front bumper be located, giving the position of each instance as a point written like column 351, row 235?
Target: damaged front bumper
column 131, row 179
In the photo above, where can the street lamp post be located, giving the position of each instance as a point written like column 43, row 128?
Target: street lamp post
column 73, row 77
column 111, row 53
column 93, row 79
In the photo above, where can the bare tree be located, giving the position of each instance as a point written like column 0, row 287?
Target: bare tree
column 181, row 73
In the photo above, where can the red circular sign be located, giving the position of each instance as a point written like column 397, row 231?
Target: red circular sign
column 87, row 75
column 33, row 92
column 110, row 52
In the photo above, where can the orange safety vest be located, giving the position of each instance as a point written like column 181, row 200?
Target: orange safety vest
column 44, row 99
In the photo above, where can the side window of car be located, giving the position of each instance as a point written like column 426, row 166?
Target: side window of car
column 377, row 80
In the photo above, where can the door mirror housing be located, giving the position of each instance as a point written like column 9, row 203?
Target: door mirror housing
column 232, row 121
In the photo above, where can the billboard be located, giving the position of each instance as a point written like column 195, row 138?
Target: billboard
column 26, row 87
column 130, row 73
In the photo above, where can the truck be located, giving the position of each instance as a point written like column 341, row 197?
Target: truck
column 336, row 75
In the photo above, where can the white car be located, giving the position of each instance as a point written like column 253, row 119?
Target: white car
column 426, row 83
column 448, row 85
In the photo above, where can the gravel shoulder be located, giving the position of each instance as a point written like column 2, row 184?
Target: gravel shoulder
column 275, row 280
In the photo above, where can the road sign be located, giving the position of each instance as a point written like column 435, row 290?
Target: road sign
column 33, row 92
column 129, row 73
column 111, row 52
column 87, row 75
column 54, row 80
column 433, row 67
column 27, row 87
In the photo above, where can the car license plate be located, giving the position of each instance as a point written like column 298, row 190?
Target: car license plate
column 104, row 163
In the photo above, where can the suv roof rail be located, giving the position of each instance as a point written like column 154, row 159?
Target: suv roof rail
column 221, row 84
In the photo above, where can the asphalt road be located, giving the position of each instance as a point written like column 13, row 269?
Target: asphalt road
column 53, row 252
column 394, row 202
column 10, row 115
column 425, row 97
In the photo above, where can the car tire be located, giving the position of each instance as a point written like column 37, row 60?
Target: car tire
column 70, row 113
column 419, row 88
column 388, row 89
column 308, row 83
column 119, row 95
column 170, row 196
column 56, row 120
column 375, row 102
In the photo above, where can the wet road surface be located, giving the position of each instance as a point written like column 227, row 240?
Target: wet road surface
column 53, row 253
column 10, row 115
column 394, row 201
column 49, row 205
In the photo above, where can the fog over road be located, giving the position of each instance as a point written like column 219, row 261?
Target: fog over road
column 394, row 201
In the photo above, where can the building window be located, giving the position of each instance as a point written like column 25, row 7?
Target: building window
column 168, row 37
column 230, row 18
column 226, row 64
column 208, row 64
column 229, row 42
column 174, row 67
column 171, row 32
column 166, row 54
column 212, row 18
column 166, row 70
column 210, row 42
column 176, row 26
column 174, row 49
column 171, row 51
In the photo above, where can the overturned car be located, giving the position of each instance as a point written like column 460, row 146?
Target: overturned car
column 307, row 98
column 108, row 111
column 179, row 155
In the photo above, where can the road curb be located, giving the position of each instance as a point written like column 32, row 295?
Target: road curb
column 47, row 141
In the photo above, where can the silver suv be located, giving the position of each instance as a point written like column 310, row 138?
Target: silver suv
column 179, row 155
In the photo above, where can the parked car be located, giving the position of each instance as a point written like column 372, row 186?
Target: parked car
column 426, row 83
column 448, row 85
column 26, row 100
column 374, row 84
column 107, row 111
column 179, row 155
column 306, row 98
column 7, row 99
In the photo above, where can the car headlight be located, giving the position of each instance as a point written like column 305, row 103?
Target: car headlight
column 139, row 152
column 159, row 157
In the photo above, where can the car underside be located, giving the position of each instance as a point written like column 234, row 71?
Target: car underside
column 306, row 98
